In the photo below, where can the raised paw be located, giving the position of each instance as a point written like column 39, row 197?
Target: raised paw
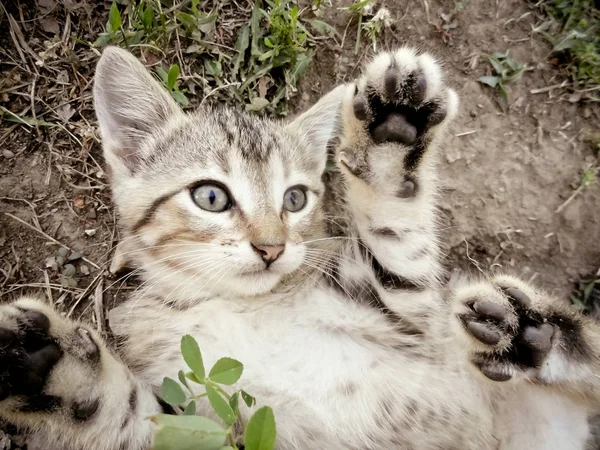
column 392, row 119
column 401, row 97
column 510, row 333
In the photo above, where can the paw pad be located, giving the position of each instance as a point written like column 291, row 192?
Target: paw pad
column 396, row 103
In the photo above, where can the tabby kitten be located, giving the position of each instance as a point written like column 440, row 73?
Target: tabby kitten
column 327, row 286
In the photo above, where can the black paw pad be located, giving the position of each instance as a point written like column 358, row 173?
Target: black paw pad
column 518, row 298
column 490, row 310
column 360, row 106
column 26, row 355
column 390, row 83
column 495, row 372
column 395, row 128
column 395, row 109
column 85, row 410
column 484, row 332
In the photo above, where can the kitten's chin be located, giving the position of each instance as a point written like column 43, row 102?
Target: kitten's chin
column 252, row 284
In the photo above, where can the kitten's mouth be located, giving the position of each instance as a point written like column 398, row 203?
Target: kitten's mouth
column 265, row 271
column 256, row 272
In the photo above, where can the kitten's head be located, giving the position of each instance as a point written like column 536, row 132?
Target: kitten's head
column 214, row 202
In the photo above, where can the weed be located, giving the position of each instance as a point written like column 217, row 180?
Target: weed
column 449, row 21
column 589, row 177
column 360, row 9
column 587, row 295
column 170, row 82
column 574, row 31
column 254, row 56
column 505, row 71
column 191, row 431
column 374, row 25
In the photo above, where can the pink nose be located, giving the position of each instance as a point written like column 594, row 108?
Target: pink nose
column 269, row 253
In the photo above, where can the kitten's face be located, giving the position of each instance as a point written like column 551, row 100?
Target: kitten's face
column 216, row 202
column 226, row 204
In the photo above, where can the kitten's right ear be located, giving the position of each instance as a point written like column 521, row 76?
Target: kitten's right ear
column 130, row 105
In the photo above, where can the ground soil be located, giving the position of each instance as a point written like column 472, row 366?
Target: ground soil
column 505, row 174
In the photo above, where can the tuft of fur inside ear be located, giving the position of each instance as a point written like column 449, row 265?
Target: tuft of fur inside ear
column 130, row 105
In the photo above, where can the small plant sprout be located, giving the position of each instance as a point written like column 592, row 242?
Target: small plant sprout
column 589, row 177
column 373, row 26
column 505, row 71
column 189, row 431
column 587, row 296
column 360, row 9
column 169, row 80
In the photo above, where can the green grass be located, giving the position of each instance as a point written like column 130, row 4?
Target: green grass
column 574, row 31
column 505, row 70
column 254, row 56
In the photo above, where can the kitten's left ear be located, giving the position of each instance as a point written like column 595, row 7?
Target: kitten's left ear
column 130, row 105
column 321, row 123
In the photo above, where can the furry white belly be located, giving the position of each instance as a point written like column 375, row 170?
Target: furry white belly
column 329, row 384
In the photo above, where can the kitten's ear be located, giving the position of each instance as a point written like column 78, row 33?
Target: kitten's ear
column 130, row 105
column 321, row 123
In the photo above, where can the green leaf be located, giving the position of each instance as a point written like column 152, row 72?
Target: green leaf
column 148, row 18
column 240, row 46
column 227, row 448
column 114, row 17
column 192, row 376
column 502, row 97
column 187, row 433
column 29, row 121
column 192, row 356
column 255, row 30
column 226, row 371
column 322, row 27
column 180, row 98
column 162, row 73
column 257, row 104
column 190, row 409
column 208, row 18
column 220, row 405
column 182, row 380
column 187, row 20
column 490, row 81
column 261, row 430
column 500, row 55
column 172, row 76
column 234, row 401
column 496, row 64
column 248, row 399
column 172, row 393
column 300, row 68
column 102, row 40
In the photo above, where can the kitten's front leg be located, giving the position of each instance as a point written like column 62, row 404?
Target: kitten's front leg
column 513, row 332
column 392, row 120
column 58, row 379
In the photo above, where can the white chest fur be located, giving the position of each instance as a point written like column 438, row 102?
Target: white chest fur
column 332, row 370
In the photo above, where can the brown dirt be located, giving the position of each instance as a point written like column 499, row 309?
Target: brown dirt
column 505, row 174
column 508, row 173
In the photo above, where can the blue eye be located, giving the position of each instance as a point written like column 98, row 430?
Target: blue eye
column 211, row 197
column 294, row 198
